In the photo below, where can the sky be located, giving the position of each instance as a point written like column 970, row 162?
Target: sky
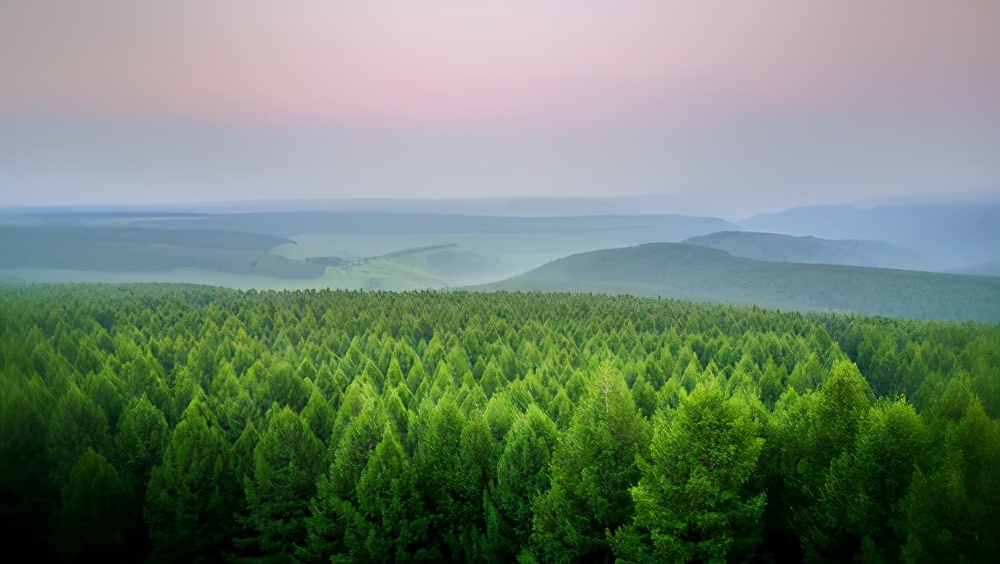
column 731, row 106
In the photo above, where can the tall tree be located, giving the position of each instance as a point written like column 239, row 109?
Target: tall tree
column 287, row 461
column 96, row 512
column 592, row 468
column 188, row 505
column 442, row 479
column 692, row 503
column 141, row 440
column 832, row 419
column 391, row 523
column 76, row 425
column 949, row 513
column 521, row 477
column 334, row 507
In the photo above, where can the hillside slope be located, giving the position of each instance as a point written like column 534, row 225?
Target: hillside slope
column 810, row 250
column 703, row 274
column 419, row 268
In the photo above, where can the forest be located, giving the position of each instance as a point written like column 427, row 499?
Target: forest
column 181, row 423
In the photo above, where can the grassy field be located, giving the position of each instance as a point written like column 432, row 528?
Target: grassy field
column 703, row 274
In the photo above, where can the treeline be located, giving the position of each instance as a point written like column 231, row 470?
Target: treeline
column 182, row 423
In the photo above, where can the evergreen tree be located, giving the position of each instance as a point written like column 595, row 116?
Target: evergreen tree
column 692, row 502
column 391, row 524
column 534, row 455
column 284, row 387
column 231, row 402
column 142, row 438
column 833, row 418
column 107, row 391
column 442, row 480
column 521, row 477
column 188, row 507
column 949, row 513
column 287, row 460
column 319, row 415
column 334, row 507
column 76, row 425
column 96, row 512
column 592, row 468
column 25, row 485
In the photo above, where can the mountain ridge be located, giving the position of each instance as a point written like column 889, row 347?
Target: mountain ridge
column 808, row 249
column 692, row 272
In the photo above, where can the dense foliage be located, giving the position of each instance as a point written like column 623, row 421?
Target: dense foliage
column 182, row 423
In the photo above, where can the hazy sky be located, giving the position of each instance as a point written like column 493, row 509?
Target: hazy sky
column 750, row 105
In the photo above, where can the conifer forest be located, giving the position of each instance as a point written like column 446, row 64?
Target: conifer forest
column 175, row 423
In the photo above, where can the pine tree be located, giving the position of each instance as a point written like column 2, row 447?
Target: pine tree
column 392, row 523
column 141, row 440
column 319, row 415
column 188, row 508
column 592, row 468
column 442, row 479
column 832, row 419
column 692, row 502
column 287, row 460
column 521, row 477
column 334, row 507
column 284, row 387
column 25, row 485
column 76, row 425
column 949, row 512
column 96, row 512
column 107, row 391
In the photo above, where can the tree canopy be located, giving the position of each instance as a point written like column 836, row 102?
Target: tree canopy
column 186, row 423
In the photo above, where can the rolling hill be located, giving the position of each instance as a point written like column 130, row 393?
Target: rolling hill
column 636, row 228
column 437, row 266
column 699, row 273
column 66, row 252
column 129, row 249
column 810, row 250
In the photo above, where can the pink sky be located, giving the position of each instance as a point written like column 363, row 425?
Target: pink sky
column 824, row 74
column 491, row 64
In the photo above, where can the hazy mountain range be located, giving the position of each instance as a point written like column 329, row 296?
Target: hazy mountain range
column 950, row 235
column 812, row 250
column 692, row 272
column 803, row 258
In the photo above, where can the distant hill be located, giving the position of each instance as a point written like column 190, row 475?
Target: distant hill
column 642, row 228
column 699, row 273
column 810, row 250
column 435, row 266
column 541, row 206
column 128, row 249
column 951, row 235
column 413, row 251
